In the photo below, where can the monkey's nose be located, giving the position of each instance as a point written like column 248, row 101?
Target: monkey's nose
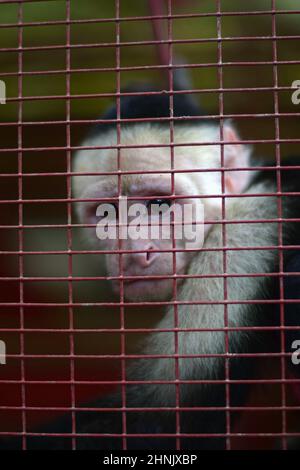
column 146, row 258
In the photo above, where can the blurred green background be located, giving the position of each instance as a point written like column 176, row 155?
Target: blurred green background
column 104, row 57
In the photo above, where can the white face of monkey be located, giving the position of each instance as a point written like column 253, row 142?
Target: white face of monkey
column 152, row 250
column 156, row 236
column 146, row 260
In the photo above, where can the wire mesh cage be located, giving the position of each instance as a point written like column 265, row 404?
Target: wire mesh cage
column 66, row 339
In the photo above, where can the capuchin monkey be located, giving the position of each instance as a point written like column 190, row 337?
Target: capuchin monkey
column 181, row 391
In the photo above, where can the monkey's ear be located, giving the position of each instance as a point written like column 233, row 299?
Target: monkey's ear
column 235, row 156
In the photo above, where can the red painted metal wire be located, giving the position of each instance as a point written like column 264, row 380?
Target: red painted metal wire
column 26, row 298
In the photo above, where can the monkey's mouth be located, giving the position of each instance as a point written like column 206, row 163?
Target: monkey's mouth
column 138, row 283
column 144, row 289
column 131, row 282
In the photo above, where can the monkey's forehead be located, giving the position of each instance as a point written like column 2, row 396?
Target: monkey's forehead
column 148, row 146
column 144, row 149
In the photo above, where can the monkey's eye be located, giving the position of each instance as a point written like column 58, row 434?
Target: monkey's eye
column 157, row 203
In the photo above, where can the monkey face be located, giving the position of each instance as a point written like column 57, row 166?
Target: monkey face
column 143, row 268
column 148, row 261
column 145, row 243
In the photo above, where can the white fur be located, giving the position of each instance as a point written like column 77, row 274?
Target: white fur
column 204, row 316
column 155, row 158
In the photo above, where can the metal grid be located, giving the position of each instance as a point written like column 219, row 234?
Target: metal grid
column 21, row 381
